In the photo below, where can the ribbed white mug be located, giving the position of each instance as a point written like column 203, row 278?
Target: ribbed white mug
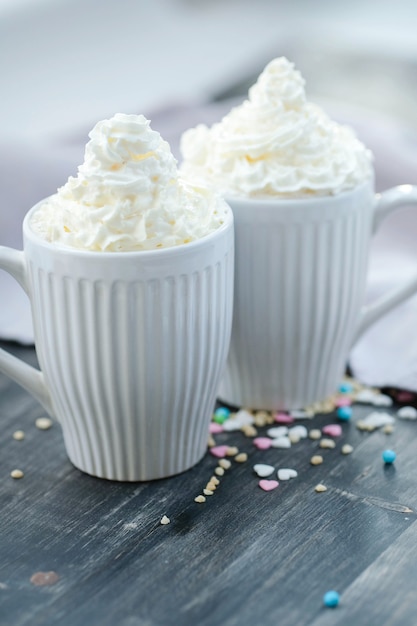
column 131, row 347
column 300, row 278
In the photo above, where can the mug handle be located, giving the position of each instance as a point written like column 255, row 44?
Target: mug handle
column 387, row 202
column 30, row 378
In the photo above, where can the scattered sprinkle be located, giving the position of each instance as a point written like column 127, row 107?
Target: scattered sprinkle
column 165, row 520
column 327, row 443
column 285, row 473
column 299, row 430
column 232, row 451
column 208, row 492
column 238, row 421
column 219, row 471
column 242, row 457
column 316, row 459
column 407, row 413
column 302, row 414
column 268, row 485
column 374, row 420
column 282, row 442
column 263, row 470
column 389, row 456
column 43, row 423
column 315, row 433
column 211, row 486
column 215, row 480
column 347, row 449
column 261, row 418
column 344, row 413
column 331, row 599
column 219, row 451
column 42, row 579
column 199, row 499
column 388, row 429
column 381, row 399
column 18, row 435
column 294, row 437
column 16, row 473
column 225, row 464
column 343, row 401
column 320, row 488
column 249, row 430
column 332, row 430
column 283, row 418
column 211, row 442
column 262, row 443
column 215, row 428
column 277, row 431
column 221, row 414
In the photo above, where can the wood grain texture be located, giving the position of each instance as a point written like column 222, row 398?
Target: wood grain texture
column 245, row 557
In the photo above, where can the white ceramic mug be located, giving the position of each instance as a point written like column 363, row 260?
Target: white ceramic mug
column 131, row 347
column 300, row 278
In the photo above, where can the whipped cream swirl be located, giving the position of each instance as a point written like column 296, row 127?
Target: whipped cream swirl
column 276, row 144
column 127, row 195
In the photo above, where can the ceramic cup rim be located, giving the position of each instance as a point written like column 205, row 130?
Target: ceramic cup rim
column 160, row 253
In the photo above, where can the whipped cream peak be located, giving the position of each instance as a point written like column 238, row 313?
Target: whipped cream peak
column 128, row 195
column 276, row 144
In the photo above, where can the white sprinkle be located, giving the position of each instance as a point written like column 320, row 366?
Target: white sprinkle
column 281, row 442
column 225, row 463
column 327, row 443
column 407, row 413
column 388, row 429
column 16, row 473
column 18, row 435
column 263, row 470
column 237, row 421
column 366, row 396
column 314, row 433
column 300, row 431
column 376, row 419
column 277, row 431
column 347, row 449
column 320, row 488
column 219, row 471
column 208, row 492
column 199, row 499
column 381, row 399
column 286, row 473
column 43, row 423
column 165, row 520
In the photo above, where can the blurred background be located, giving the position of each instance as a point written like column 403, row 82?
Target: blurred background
column 65, row 64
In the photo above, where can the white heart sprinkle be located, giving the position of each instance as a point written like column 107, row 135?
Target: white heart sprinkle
column 381, row 399
column 277, row 431
column 281, row 442
column 366, row 396
column 407, row 413
column 286, row 474
column 299, row 430
column 376, row 419
column 241, row 418
column 263, row 470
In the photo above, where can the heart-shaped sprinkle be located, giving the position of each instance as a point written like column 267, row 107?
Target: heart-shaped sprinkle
column 262, row 443
column 332, row 430
column 240, row 419
column 263, row 470
column 215, row 428
column 268, row 485
column 381, row 399
column 285, row 473
column 299, row 431
column 283, row 418
column 219, row 451
column 281, row 442
column 407, row 413
column 278, row 431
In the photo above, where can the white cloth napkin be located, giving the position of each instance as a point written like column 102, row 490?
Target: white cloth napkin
column 385, row 356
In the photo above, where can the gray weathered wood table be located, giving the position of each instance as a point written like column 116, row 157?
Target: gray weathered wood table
column 244, row 557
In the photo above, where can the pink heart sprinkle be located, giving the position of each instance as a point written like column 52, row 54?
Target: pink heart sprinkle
column 333, row 430
column 343, row 401
column 283, row 418
column 219, row 451
column 268, row 485
column 215, row 428
column 262, row 443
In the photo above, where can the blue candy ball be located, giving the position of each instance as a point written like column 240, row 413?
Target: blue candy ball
column 344, row 413
column 389, row 456
column 331, row 598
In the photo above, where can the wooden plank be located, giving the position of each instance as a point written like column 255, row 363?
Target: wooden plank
column 243, row 557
